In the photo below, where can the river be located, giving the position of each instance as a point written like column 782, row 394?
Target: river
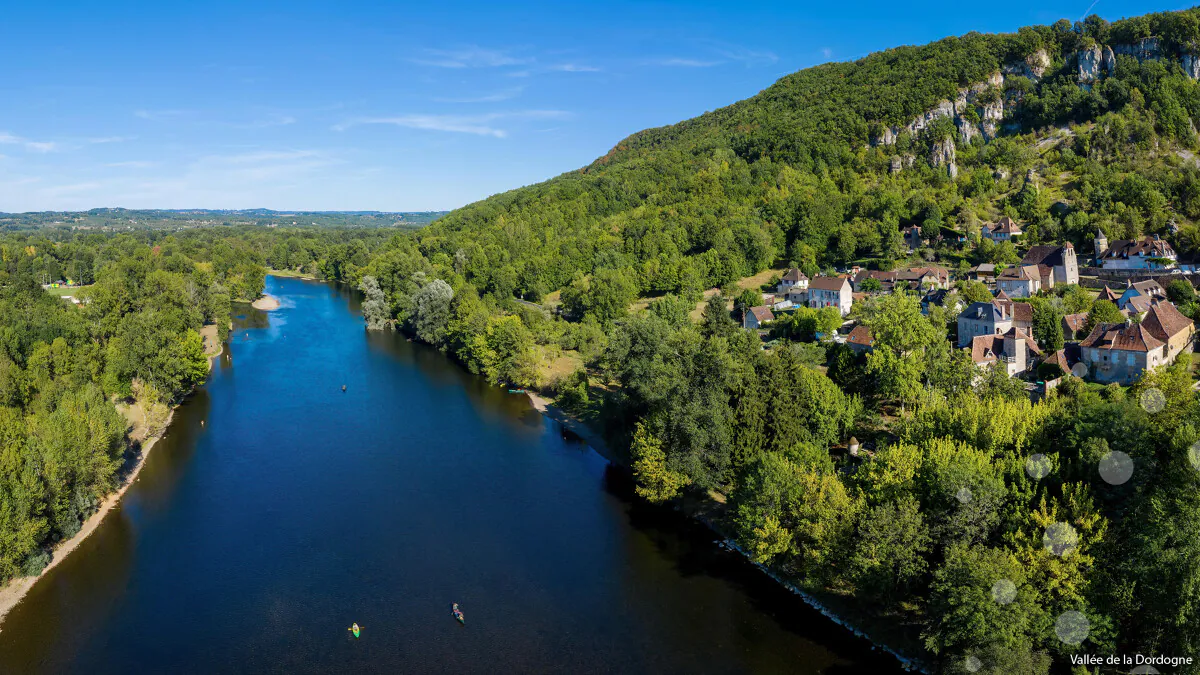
column 278, row 509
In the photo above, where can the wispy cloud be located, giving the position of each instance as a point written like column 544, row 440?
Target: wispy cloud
column 680, row 62
column 479, row 125
column 132, row 164
column 59, row 190
column 269, row 121
column 748, row 57
column 159, row 115
column 573, row 68
column 488, row 98
column 260, row 156
column 470, row 57
column 34, row 146
column 109, row 139
column 826, row 52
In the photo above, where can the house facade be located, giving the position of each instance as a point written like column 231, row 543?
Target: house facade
column 981, row 319
column 1015, row 351
column 1023, row 281
column 1120, row 352
column 793, row 278
column 1002, row 230
column 755, row 317
column 830, row 292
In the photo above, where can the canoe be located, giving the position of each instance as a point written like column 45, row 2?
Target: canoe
column 461, row 619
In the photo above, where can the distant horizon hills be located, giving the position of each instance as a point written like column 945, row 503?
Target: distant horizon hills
column 235, row 212
column 132, row 219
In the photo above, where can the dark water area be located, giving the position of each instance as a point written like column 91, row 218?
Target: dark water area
column 278, row 509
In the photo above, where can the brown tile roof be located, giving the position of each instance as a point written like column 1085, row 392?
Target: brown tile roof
column 1022, row 334
column 1109, row 294
column 1026, row 272
column 794, row 275
column 1130, row 337
column 1148, row 247
column 827, row 283
column 1001, row 295
column 1139, row 303
column 985, row 348
column 861, row 335
column 1007, row 225
column 1021, row 312
column 1164, row 321
column 762, row 313
column 1066, row 357
column 1075, row 322
column 1149, row 287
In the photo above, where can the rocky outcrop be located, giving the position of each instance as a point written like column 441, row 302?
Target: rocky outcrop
column 1033, row 67
column 988, row 112
column 1146, row 49
column 1093, row 63
column 1191, row 65
column 943, row 154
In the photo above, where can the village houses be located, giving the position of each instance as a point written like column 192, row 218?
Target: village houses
column 1149, row 252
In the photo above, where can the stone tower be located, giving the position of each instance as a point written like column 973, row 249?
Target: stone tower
column 1101, row 243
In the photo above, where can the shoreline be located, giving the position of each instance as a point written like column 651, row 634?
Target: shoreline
column 12, row 593
column 266, row 303
column 547, row 408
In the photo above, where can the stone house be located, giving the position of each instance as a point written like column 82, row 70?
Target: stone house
column 1120, row 352
column 1023, row 281
column 1015, row 351
column 1073, row 325
column 1002, row 230
column 826, row 291
column 1149, row 252
column 1149, row 290
column 793, row 278
column 980, row 319
column 1057, row 264
column 755, row 317
column 860, row 340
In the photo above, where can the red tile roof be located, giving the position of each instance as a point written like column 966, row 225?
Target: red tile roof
column 861, row 335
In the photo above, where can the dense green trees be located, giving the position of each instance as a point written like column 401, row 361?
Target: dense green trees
column 62, row 366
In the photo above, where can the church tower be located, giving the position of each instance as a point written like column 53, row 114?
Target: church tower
column 1101, row 243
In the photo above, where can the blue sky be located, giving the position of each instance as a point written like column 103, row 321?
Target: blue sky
column 397, row 106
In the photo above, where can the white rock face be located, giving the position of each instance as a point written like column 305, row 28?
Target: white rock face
column 1091, row 65
column 943, row 154
column 1146, row 49
column 1191, row 65
column 1033, row 67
